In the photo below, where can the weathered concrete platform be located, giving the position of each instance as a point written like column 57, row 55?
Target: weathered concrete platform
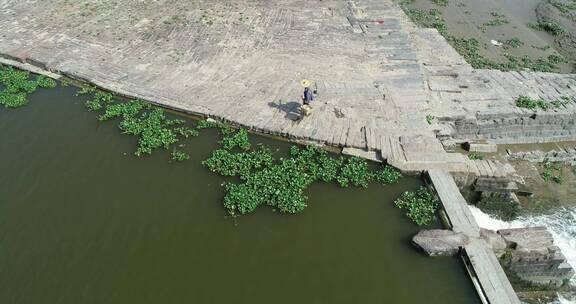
column 378, row 75
column 493, row 283
column 239, row 60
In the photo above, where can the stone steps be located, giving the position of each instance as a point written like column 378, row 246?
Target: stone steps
column 391, row 150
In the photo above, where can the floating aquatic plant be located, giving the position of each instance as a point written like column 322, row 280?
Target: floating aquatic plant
column 281, row 183
column 420, row 205
column 264, row 180
column 97, row 102
column 355, row 171
column 16, row 85
column 227, row 163
column 387, row 175
column 178, row 155
column 236, row 139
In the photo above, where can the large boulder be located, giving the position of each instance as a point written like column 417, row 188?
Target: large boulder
column 494, row 241
column 438, row 242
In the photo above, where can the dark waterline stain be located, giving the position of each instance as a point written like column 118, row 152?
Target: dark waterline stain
column 84, row 221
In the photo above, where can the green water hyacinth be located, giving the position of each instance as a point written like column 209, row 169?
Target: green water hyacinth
column 100, row 98
column 263, row 179
column 17, row 84
column 420, row 206
column 387, row 175
column 178, row 155
column 125, row 110
column 235, row 139
column 227, row 163
column 355, row 171
column 281, row 183
column 138, row 118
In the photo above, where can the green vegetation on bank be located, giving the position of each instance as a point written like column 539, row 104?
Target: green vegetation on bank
column 440, row 2
column 263, row 179
column 567, row 8
column 150, row 124
column 513, row 43
column 420, row 205
column 549, row 26
column 497, row 20
column 15, row 85
column 469, row 48
column 475, row 156
column 534, row 104
column 500, row 207
column 548, row 174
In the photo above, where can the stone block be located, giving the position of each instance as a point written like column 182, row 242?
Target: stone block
column 481, row 147
column 533, row 257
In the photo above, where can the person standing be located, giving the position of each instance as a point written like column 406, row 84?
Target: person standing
column 308, row 96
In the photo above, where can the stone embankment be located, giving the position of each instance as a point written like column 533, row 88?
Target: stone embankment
column 474, row 104
column 567, row 155
column 385, row 85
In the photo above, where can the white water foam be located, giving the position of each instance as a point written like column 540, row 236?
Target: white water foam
column 562, row 300
column 561, row 224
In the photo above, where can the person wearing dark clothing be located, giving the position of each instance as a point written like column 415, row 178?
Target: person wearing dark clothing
column 308, row 96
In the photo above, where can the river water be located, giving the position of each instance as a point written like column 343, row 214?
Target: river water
column 84, row 221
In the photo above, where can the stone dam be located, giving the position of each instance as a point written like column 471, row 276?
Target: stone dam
column 378, row 76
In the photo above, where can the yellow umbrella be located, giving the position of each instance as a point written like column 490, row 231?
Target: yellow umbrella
column 305, row 83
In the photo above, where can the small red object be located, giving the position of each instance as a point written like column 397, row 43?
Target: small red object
column 380, row 21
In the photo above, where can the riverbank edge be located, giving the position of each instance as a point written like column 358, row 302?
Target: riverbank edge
column 41, row 69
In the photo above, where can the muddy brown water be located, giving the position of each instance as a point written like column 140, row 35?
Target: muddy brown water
column 84, row 221
column 465, row 18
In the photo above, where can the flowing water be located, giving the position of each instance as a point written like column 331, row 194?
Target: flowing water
column 561, row 223
column 84, row 221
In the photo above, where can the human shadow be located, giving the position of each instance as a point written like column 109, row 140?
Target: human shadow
column 291, row 108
